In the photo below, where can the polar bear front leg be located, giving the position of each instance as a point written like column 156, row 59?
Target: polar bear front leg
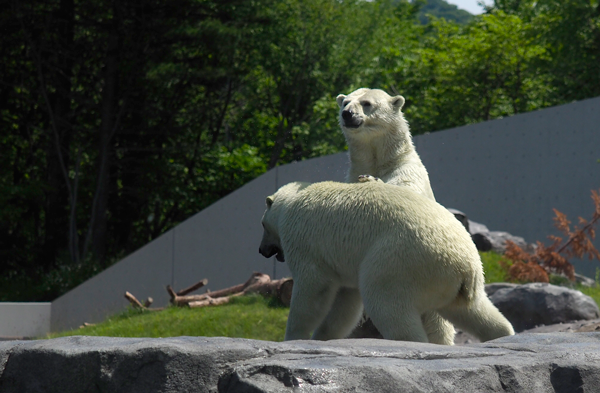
column 344, row 315
column 311, row 301
column 369, row 178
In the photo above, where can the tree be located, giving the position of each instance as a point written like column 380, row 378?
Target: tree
column 472, row 73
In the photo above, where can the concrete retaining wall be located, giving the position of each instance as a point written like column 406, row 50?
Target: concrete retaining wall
column 24, row 319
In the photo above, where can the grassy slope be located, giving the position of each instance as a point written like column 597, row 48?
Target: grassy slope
column 246, row 317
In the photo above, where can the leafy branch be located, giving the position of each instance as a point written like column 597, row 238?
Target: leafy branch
column 536, row 266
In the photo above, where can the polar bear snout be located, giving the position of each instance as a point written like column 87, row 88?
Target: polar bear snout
column 351, row 119
column 268, row 250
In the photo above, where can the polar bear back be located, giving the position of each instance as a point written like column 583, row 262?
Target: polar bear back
column 324, row 220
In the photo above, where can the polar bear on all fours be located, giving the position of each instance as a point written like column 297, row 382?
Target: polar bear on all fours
column 387, row 247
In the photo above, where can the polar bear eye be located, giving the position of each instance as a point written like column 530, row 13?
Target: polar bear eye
column 346, row 103
column 366, row 104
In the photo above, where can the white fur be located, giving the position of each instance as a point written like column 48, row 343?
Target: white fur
column 379, row 141
column 395, row 251
column 380, row 144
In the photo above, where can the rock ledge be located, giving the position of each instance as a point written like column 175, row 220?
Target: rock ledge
column 560, row 362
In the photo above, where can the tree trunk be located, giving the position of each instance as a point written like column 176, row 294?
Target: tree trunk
column 56, row 222
column 108, row 125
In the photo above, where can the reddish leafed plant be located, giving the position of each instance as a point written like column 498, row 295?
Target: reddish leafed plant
column 536, row 266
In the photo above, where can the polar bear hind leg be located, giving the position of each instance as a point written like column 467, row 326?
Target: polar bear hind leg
column 390, row 301
column 396, row 320
column 478, row 317
column 344, row 315
column 439, row 331
column 311, row 301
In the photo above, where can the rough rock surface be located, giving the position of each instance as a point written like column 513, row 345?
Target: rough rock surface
column 554, row 362
column 487, row 240
column 530, row 305
column 573, row 327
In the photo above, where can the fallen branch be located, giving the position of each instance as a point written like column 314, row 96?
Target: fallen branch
column 281, row 289
column 194, row 287
column 134, row 302
column 185, row 300
column 209, row 301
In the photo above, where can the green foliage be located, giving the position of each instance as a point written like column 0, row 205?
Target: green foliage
column 245, row 317
column 46, row 285
column 593, row 292
column 118, row 120
column 492, row 269
column 471, row 73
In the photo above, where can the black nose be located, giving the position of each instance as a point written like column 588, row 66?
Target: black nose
column 347, row 115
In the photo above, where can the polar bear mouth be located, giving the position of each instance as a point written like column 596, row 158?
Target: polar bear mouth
column 353, row 122
column 279, row 256
column 269, row 251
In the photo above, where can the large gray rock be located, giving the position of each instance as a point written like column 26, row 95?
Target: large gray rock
column 530, row 305
column 522, row 363
column 487, row 240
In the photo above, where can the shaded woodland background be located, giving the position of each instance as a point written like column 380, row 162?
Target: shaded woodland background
column 120, row 119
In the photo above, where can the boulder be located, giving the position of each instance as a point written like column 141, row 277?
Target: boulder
column 531, row 305
column 490, row 289
column 460, row 216
column 487, row 240
column 552, row 362
column 498, row 241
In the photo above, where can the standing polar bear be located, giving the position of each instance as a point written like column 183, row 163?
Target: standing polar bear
column 380, row 145
column 379, row 141
column 389, row 248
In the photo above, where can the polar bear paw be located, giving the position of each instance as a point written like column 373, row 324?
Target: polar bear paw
column 367, row 178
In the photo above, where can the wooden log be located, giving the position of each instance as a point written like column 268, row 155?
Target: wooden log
column 148, row 302
column 209, row 301
column 282, row 289
column 134, row 302
column 192, row 288
column 255, row 278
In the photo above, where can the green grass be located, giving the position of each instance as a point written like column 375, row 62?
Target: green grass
column 593, row 292
column 246, row 317
column 491, row 267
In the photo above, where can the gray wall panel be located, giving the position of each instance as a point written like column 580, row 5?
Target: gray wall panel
column 332, row 167
column 145, row 273
column 510, row 173
column 221, row 242
column 24, row 319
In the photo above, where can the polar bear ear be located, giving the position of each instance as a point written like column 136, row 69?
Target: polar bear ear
column 397, row 102
column 269, row 201
column 340, row 100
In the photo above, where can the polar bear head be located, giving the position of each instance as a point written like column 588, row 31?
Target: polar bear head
column 276, row 203
column 369, row 109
